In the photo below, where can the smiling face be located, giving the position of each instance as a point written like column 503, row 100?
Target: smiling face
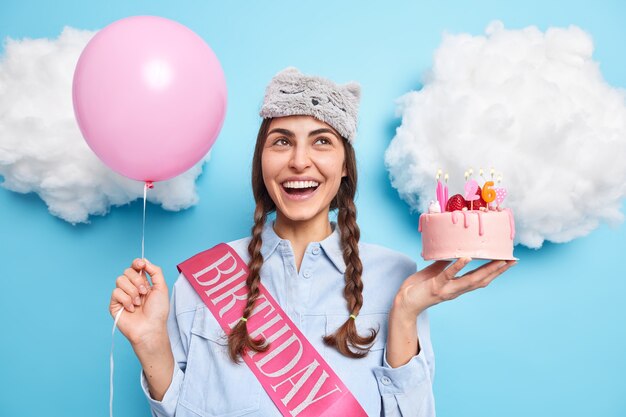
column 303, row 161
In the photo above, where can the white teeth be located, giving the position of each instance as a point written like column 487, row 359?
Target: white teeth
column 300, row 184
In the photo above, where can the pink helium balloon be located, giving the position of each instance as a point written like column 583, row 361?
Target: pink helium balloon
column 149, row 97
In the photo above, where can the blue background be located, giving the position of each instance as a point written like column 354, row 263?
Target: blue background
column 545, row 339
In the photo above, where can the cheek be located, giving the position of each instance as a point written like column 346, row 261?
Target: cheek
column 331, row 167
column 271, row 167
column 268, row 167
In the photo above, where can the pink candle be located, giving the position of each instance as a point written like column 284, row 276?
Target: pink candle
column 445, row 194
column 440, row 196
column 471, row 187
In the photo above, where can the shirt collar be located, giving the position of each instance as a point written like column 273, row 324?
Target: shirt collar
column 331, row 245
column 270, row 240
column 332, row 248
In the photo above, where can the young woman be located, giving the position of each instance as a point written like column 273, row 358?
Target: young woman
column 363, row 307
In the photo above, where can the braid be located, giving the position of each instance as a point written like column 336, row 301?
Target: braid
column 239, row 340
column 350, row 235
column 347, row 335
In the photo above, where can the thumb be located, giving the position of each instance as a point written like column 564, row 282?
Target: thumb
column 156, row 274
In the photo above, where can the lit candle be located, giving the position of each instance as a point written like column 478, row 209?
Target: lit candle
column 500, row 192
column 440, row 192
column 488, row 194
column 445, row 192
column 471, row 187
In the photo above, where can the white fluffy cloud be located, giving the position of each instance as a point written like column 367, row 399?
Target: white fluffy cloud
column 41, row 147
column 535, row 106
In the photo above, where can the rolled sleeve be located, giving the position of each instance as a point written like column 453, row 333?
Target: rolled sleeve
column 167, row 406
column 402, row 379
column 407, row 390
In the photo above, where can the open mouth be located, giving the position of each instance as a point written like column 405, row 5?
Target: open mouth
column 300, row 188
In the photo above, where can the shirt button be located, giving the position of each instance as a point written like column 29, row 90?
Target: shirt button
column 385, row 380
column 316, row 251
column 307, row 274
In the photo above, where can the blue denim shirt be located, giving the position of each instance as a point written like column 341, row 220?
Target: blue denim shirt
column 206, row 383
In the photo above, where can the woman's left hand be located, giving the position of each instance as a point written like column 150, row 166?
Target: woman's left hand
column 435, row 283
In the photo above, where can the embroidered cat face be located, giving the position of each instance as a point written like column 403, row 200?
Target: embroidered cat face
column 293, row 93
column 325, row 98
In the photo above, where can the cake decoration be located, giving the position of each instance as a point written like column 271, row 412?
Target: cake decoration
column 442, row 191
column 487, row 230
column 456, row 202
column 434, row 207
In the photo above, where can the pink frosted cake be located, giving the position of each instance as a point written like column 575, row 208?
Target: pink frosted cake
column 473, row 233
column 474, row 225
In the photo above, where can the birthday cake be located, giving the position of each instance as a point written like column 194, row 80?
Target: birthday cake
column 474, row 225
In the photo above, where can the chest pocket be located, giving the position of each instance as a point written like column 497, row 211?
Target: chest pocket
column 214, row 386
column 364, row 322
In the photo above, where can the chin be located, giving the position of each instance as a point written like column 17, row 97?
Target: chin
column 300, row 214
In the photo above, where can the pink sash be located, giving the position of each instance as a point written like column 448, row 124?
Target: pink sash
column 292, row 372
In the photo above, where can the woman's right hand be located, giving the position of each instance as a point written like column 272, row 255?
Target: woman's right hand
column 147, row 306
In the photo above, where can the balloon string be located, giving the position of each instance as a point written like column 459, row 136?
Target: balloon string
column 147, row 185
column 117, row 317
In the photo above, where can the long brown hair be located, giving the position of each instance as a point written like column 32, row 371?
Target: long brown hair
column 346, row 338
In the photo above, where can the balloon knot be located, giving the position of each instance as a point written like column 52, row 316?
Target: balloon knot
column 149, row 184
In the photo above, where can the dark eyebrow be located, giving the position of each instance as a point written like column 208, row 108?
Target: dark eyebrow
column 322, row 130
column 281, row 131
column 290, row 134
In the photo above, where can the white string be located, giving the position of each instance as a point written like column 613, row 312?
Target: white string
column 119, row 313
column 143, row 225
column 117, row 316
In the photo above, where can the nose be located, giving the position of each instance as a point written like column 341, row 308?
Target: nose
column 300, row 159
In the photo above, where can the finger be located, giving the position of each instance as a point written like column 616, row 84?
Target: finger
column 436, row 267
column 138, row 264
column 492, row 266
column 473, row 279
column 484, row 270
column 138, row 280
column 486, row 281
column 454, row 269
column 129, row 288
column 124, row 299
column 156, row 274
